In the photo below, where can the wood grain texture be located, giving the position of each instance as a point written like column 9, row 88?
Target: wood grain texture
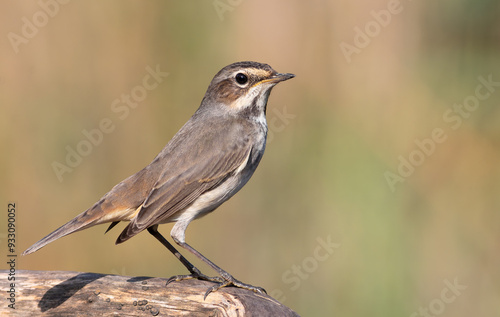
column 60, row 293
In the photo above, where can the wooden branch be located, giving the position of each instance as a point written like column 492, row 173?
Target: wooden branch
column 59, row 293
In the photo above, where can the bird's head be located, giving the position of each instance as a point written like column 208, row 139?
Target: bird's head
column 242, row 87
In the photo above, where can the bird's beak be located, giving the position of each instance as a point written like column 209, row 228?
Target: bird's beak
column 281, row 77
column 276, row 78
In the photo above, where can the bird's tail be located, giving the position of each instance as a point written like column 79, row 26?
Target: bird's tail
column 119, row 204
column 102, row 212
column 78, row 223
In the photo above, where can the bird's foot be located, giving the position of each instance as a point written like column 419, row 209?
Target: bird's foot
column 195, row 274
column 229, row 280
column 224, row 280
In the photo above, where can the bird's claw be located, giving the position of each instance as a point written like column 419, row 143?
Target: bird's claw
column 195, row 275
column 231, row 281
column 221, row 281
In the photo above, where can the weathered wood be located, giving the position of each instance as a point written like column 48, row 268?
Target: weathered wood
column 59, row 293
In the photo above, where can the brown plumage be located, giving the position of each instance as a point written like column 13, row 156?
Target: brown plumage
column 211, row 157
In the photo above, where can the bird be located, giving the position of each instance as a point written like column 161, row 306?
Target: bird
column 207, row 161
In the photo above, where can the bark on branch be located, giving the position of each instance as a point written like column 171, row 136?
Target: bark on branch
column 59, row 293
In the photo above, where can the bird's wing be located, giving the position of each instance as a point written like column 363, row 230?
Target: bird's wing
column 190, row 168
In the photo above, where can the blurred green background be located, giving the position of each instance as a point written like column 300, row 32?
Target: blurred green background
column 372, row 77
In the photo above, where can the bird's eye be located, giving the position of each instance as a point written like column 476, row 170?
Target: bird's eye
column 241, row 78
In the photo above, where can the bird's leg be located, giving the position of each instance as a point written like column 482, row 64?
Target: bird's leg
column 195, row 272
column 227, row 279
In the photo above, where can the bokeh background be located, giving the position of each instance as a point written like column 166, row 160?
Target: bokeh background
column 372, row 77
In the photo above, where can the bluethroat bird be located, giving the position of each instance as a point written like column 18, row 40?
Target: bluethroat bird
column 210, row 159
